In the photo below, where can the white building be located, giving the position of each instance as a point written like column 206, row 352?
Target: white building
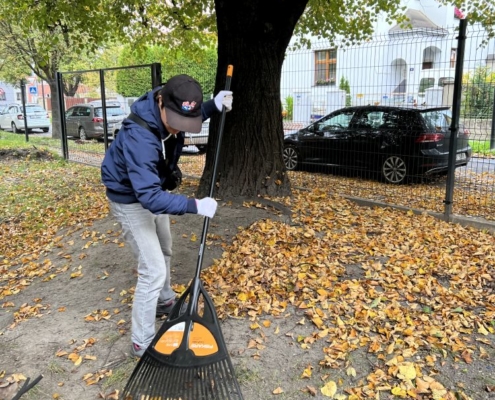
column 397, row 66
column 9, row 94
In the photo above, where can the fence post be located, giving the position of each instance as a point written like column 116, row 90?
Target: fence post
column 156, row 74
column 61, row 110
column 454, row 126
column 104, row 108
column 23, row 99
column 492, row 135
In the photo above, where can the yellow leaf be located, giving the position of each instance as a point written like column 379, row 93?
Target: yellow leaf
column 482, row 329
column 75, row 274
column 329, row 389
column 351, row 371
column 407, row 371
column 78, row 361
column 242, row 296
column 278, row 390
column 266, row 323
column 307, row 372
column 397, row 391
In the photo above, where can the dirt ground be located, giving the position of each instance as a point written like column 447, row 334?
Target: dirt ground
column 76, row 330
column 84, row 308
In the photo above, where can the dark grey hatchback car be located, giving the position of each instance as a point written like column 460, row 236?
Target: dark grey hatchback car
column 394, row 143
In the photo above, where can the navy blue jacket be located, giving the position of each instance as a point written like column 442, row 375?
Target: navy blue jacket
column 134, row 169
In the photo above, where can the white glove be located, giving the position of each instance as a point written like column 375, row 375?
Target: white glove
column 224, row 98
column 207, row 207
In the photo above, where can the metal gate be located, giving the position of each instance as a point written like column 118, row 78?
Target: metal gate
column 95, row 102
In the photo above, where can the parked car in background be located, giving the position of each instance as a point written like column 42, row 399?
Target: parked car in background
column 85, row 121
column 394, row 143
column 198, row 140
column 12, row 117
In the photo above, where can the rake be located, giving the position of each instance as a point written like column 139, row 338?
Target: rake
column 188, row 357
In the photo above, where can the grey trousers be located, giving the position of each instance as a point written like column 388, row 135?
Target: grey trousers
column 151, row 242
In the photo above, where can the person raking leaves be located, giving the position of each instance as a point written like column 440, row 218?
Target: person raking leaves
column 139, row 171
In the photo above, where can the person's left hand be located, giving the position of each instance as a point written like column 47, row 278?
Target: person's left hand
column 224, row 98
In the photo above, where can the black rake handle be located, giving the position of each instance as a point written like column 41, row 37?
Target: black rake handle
column 228, row 80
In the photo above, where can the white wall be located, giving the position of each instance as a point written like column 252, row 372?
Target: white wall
column 10, row 93
column 375, row 68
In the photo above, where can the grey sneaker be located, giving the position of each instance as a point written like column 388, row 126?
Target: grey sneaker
column 166, row 308
column 136, row 350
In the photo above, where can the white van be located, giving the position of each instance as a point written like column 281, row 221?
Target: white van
column 435, row 77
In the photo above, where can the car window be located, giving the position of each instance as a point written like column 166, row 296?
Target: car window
column 34, row 109
column 426, row 83
column 437, row 120
column 13, row 109
column 367, row 120
column 111, row 111
column 70, row 112
column 114, row 111
column 334, row 121
column 84, row 112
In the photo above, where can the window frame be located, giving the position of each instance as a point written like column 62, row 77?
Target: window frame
column 329, row 63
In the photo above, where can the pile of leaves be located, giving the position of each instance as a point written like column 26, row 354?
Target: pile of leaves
column 409, row 289
column 40, row 202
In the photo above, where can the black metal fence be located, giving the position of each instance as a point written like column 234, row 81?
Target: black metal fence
column 95, row 102
column 407, row 69
column 383, row 84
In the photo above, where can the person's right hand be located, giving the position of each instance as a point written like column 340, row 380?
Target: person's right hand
column 207, row 207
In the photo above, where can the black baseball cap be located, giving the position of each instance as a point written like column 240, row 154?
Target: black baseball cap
column 182, row 98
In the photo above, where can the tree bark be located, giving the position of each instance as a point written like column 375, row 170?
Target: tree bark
column 56, row 117
column 252, row 36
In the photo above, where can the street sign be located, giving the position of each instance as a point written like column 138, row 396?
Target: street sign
column 33, row 90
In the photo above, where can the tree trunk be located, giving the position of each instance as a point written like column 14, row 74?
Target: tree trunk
column 252, row 36
column 56, row 117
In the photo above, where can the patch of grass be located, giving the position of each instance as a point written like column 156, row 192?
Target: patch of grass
column 9, row 140
column 35, row 393
column 481, row 147
column 113, row 337
column 120, row 376
column 56, row 368
column 15, row 140
column 245, row 375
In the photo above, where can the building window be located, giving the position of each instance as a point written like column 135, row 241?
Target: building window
column 325, row 67
column 427, row 64
column 453, row 57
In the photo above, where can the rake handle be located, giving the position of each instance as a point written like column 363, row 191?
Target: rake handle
column 228, row 80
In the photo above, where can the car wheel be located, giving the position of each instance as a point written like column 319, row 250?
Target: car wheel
column 291, row 158
column 45, row 129
column 82, row 134
column 394, row 169
column 14, row 128
column 201, row 149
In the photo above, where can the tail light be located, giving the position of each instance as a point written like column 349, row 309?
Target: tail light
column 430, row 138
column 20, row 117
column 97, row 119
column 466, row 132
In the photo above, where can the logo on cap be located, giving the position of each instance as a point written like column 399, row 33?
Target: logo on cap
column 188, row 106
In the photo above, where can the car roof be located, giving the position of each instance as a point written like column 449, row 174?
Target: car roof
column 97, row 103
column 405, row 107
